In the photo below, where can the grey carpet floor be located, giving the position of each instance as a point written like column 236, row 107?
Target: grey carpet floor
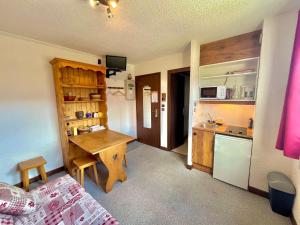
column 160, row 191
column 182, row 149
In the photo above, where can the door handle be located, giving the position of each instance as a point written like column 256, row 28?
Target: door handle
column 156, row 113
column 115, row 156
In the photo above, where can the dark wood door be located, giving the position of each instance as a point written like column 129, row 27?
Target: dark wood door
column 178, row 105
column 148, row 109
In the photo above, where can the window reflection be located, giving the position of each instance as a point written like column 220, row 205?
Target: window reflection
column 147, row 106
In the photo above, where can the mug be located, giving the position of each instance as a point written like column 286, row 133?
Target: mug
column 88, row 115
column 79, row 114
column 95, row 115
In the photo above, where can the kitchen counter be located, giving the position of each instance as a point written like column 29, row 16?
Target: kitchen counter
column 222, row 130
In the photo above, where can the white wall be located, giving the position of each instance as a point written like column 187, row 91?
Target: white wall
column 231, row 114
column 28, row 118
column 277, row 44
column 162, row 65
column 189, row 57
column 121, row 112
column 194, row 93
column 186, row 104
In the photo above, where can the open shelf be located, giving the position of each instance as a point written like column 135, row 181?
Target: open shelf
column 83, row 86
column 84, row 119
column 230, row 75
column 87, row 101
column 255, row 59
column 228, row 101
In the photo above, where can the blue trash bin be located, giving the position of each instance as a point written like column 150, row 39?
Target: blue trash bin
column 281, row 193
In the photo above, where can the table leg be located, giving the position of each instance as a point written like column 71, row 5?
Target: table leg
column 125, row 160
column 43, row 174
column 113, row 158
column 96, row 174
column 78, row 175
column 91, row 172
column 82, row 177
column 25, row 180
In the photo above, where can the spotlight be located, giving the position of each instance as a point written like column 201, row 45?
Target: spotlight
column 113, row 3
column 109, row 13
column 94, row 3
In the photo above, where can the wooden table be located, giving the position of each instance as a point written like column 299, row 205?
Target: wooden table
column 108, row 147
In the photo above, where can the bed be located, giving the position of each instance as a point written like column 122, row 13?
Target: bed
column 64, row 202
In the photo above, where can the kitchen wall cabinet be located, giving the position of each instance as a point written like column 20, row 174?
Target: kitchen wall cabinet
column 233, row 63
column 230, row 49
column 203, row 150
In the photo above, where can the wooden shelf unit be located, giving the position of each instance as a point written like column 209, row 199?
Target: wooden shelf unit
column 228, row 101
column 83, row 119
column 222, row 73
column 229, row 75
column 85, row 101
column 232, row 62
column 79, row 79
column 83, row 86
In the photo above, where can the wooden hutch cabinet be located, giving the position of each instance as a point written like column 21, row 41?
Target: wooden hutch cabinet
column 80, row 80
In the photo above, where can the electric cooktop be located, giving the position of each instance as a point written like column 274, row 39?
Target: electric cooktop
column 236, row 130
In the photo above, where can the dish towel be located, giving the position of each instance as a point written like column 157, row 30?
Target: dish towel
column 289, row 132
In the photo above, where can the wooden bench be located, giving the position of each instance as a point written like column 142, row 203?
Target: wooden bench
column 27, row 165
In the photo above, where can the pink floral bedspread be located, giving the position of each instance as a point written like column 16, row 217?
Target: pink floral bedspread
column 64, row 202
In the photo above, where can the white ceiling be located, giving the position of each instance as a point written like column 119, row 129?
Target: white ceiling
column 141, row 29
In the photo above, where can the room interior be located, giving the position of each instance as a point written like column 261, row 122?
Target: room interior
column 150, row 112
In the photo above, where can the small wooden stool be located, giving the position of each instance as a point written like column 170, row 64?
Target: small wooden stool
column 81, row 164
column 37, row 163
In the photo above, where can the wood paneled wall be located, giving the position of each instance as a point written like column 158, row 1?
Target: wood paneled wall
column 234, row 48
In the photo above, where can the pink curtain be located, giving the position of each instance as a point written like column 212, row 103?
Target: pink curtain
column 289, row 132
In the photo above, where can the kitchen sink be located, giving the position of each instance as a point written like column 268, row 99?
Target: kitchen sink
column 208, row 125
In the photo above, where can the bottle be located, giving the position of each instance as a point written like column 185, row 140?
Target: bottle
column 250, row 123
column 74, row 131
column 69, row 133
column 236, row 94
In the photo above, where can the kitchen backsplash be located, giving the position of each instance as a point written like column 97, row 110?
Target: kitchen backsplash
column 230, row 114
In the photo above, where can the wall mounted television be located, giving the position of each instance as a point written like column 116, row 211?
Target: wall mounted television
column 116, row 62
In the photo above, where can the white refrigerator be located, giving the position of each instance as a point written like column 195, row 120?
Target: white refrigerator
column 232, row 157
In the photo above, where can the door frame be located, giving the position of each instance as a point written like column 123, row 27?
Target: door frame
column 159, row 99
column 170, row 115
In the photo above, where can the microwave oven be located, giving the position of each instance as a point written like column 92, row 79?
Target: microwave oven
column 213, row 92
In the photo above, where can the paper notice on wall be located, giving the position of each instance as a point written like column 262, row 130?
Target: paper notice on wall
column 154, row 96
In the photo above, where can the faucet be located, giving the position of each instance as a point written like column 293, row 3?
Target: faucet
column 210, row 118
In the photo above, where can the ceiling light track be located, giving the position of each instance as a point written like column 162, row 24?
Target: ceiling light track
column 108, row 3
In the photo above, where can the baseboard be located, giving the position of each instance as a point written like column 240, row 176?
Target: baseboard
column 35, row 179
column 293, row 220
column 202, row 168
column 189, row 167
column 164, row 148
column 251, row 189
column 258, row 192
column 132, row 141
column 266, row 195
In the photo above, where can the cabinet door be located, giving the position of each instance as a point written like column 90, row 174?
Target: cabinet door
column 203, row 148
